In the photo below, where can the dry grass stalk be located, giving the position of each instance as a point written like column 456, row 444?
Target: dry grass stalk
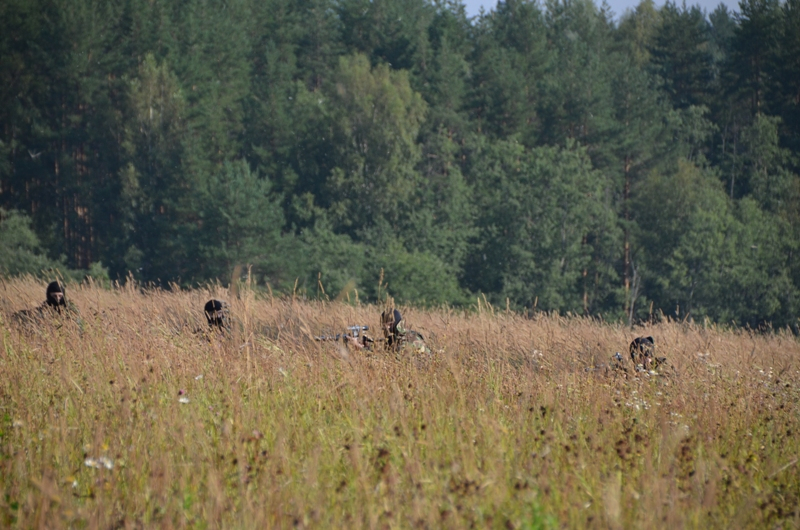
column 134, row 419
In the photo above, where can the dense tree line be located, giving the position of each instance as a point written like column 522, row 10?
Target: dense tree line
column 541, row 155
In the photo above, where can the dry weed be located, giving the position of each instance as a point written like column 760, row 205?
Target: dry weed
column 136, row 418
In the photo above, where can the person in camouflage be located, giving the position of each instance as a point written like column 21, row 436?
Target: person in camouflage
column 55, row 303
column 396, row 337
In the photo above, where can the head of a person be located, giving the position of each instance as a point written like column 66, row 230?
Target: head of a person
column 642, row 351
column 55, row 295
column 390, row 319
column 216, row 314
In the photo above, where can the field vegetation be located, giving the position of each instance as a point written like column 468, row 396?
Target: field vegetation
column 136, row 417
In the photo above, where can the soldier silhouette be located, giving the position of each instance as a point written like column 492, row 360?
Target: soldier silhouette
column 217, row 314
column 55, row 303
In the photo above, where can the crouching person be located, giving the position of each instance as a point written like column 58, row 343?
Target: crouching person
column 643, row 355
column 55, row 305
column 217, row 315
column 396, row 337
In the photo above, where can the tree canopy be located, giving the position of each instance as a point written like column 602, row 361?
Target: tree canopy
column 542, row 155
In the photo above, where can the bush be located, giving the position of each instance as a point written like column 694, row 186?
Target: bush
column 20, row 249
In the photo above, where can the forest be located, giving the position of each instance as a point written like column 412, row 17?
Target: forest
column 543, row 156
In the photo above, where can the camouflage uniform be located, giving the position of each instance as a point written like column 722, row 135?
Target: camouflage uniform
column 55, row 304
column 398, row 338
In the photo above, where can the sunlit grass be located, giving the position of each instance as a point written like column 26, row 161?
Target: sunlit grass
column 136, row 418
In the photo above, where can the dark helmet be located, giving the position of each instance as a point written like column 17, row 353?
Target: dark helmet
column 216, row 313
column 642, row 349
column 55, row 295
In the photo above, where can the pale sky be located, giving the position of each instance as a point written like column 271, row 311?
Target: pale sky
column 618, row 6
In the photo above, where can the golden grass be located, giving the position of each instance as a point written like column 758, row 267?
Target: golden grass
column 505, row 428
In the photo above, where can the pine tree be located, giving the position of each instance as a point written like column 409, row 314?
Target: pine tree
column 681, row 55
column 210, row 60
column 636, row 146
column 443, row 78
column 154, row 184
column 786, row 89
column 577, row 86
column 754, row 49
column 241, row 225
column 319, row 42
column 392, row 32
column 722, row 27
column 509, row 61
column 766, row 173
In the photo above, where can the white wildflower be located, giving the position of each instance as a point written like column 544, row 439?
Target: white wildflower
column 97, row 463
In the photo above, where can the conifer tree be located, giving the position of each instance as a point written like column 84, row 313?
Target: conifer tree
column 754, row 48
column 681, row 55
column 509, row 62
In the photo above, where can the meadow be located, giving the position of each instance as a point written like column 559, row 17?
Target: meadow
column 135, row 417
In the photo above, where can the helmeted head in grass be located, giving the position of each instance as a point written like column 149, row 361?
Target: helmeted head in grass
column 216, row 314
column 55, row 295
column 642, row 351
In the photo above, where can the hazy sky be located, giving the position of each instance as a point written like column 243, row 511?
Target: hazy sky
column 618, row 6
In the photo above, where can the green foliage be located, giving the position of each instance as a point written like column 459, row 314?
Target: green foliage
column 439, row 217
column 538, row 209
column 241, row 225
column 721, row 27
column 681, row 54
column 754, row 50
column 637, row 31
column 522, row 154
column 766, row 173
column 786, row 74
column 509, row 60
column 683, row 218
column 709, row 256
column 375, row 119
column 99, row 274
column 20, row 250
column 444, row 72
column 153, row 183
column 333, row 260
column 412, row 277
column 388, row 31
column 757, row 288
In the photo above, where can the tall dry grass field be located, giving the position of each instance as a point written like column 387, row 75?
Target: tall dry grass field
column 134, row 419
